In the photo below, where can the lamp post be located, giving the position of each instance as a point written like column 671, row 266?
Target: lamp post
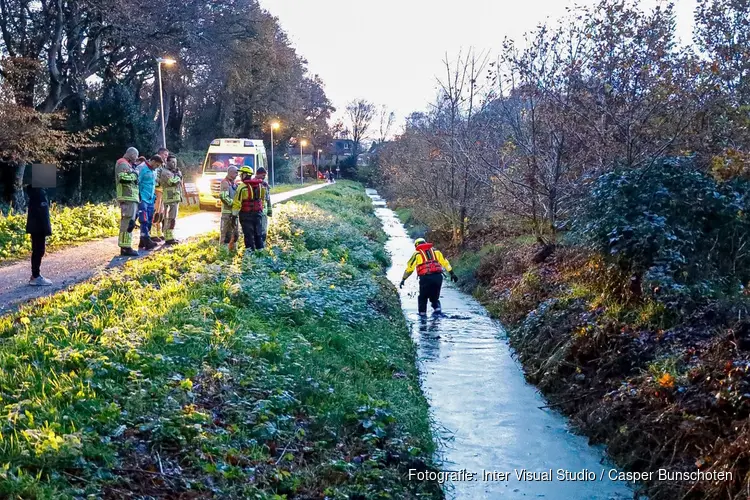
column 317, row 174
column 274, row 126
column 302, row 144
column 168, row 62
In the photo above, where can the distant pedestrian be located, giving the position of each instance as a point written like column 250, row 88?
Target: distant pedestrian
column 147, row 191
column 126, row 183
column 39, row 227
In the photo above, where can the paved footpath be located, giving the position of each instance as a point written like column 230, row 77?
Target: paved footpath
column 72, row 265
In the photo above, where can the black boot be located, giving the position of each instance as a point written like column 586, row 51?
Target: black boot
column 171, row 242
column 146, row 243
column 128, row 252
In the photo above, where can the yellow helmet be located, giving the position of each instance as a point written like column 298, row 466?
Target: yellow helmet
column 245, row 169
column 419, row 241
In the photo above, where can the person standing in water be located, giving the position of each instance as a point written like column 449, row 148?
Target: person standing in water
column 429, row 264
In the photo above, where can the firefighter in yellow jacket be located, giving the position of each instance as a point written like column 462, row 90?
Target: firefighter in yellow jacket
column 430, row 265
column 170, row 180
column 248, row 204
column 126, row 186
column 229, row 230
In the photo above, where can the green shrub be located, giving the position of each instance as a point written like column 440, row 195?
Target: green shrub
column 69, row 225
column 675, row 227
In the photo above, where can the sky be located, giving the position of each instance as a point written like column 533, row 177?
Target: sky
column 391, row 51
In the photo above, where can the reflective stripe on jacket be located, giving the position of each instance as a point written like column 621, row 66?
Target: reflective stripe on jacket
column 126, row 181
column 171, row 183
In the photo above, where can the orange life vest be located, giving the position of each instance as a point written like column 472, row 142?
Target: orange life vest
column 429, row 264
column 254, row 200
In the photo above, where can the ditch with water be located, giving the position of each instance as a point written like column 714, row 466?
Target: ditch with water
column 487, row 417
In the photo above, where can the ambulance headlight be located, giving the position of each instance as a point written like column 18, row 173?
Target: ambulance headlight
column 204, row 184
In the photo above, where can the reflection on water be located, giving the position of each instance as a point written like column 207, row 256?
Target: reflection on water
column 488, row 417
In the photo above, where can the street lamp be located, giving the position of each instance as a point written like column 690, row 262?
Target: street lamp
column 168, row 62
column 317, row 174
column 302, row 144
column 274, row 126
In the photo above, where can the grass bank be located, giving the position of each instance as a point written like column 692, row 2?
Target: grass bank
column 197, row 373
column 283, row 188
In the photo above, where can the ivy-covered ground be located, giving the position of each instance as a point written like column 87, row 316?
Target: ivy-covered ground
column 196, row 373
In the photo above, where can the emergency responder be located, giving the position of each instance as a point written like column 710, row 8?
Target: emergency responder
column 230, row 232
column 248, row 205
column 260, row 173
column 158, row 220
column 126, row 185
column 147, row 189
column 170, row 179
column 430, row 265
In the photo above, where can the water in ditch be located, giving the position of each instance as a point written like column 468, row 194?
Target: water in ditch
column 487, row 417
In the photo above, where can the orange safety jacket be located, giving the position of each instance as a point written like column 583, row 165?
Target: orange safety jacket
column 249, row 197
column 429, row 264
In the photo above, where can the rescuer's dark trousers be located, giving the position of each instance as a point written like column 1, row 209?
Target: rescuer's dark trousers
column 429, row 289
column 252, row 229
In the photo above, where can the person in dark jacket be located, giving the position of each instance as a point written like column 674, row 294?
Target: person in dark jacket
column 39, row 227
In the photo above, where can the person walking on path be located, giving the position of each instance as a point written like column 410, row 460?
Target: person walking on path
column 126, row 184
column 38, row 226
column 170, row 179
column 248, row 205
column 229, row 229
column 429, row 264
column 260, row 173
column 147, row 190
column 158, row 219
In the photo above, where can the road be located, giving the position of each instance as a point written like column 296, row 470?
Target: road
column 73, row 265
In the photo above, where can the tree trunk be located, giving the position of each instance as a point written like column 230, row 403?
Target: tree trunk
column 80, row 180
column 18, row 199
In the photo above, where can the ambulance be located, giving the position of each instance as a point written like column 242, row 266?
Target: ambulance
column 223, row 153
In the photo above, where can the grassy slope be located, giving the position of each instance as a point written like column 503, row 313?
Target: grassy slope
column 283, row 188
column 286, row 372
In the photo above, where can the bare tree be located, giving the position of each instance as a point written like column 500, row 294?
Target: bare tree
column 386, row 123
column 361, row 114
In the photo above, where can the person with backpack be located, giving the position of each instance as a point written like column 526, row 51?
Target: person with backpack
column 429, row 264
column 248, row 205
